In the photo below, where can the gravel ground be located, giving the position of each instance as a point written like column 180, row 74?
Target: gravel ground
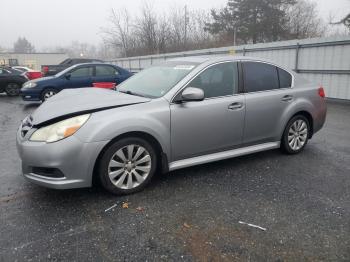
column 193, row 214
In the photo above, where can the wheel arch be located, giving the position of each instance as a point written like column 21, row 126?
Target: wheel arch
column 307, row 115
column 8, row 82
column 13, row 82
column 162, row 163
column 46, row 88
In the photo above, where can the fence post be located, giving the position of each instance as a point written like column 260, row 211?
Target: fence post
column 140, row 64
column 243, row 51
column 296, row 57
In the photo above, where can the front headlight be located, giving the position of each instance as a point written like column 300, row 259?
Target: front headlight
column 29, row 84
column 59, row 130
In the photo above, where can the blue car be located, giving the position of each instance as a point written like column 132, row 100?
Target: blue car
column 80, row 75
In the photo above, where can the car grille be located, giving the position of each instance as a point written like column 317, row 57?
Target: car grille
column 26, row 125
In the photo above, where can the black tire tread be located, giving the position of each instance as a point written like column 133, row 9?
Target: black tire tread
column 284, row 141
column 109, row 152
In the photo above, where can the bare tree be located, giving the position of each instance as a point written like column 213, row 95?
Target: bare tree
column 119, row 33
column 146, row 27
column 198, row 37
column 304, row 21
column 163, row 33
column 177, row 18
column 180, row 29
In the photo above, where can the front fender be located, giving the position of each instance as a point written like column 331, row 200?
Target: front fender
column 151, row 118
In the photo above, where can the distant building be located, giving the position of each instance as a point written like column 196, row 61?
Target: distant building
column 32, row 60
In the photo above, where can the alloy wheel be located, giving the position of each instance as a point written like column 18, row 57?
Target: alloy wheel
column 129, row 166
column 297, row 134
column 12, row 89
column 49, row 94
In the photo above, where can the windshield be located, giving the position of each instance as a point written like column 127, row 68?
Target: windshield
column 156, row 81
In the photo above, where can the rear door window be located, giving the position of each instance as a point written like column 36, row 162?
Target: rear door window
column 259, row 77
column 105, row 71
column 82, row 72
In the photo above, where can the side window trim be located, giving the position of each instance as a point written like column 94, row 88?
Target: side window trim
column 278, row 77
column 207, row 67
column 241, row 88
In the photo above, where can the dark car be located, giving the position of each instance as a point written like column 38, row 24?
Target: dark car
column 50, row 70
column 11, row 81
column 77, row 76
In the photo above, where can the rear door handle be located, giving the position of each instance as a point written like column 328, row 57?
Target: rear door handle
column 235, row 106
column 287, row 98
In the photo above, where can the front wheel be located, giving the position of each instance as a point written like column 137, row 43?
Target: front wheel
column 296, row 135
column 47, row 93
column 12, row 89
column 127, row 166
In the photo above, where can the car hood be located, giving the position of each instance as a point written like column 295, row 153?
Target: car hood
column 72, row 102
column 42, row 79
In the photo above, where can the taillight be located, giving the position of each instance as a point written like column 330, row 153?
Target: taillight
column 33, row 75
column 321, row 92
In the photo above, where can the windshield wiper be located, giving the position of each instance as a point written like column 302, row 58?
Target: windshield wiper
column 130, row 93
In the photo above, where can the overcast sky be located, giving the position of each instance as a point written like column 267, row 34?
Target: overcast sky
column 48, row 23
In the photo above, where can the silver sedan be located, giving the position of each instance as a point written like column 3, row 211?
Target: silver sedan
column 182, row 113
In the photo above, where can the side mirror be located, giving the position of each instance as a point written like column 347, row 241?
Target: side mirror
column 192, row 94
column 67, row 76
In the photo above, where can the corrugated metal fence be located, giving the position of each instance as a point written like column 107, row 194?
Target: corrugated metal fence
column 322, row 60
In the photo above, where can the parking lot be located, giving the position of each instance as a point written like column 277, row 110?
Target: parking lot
column 302, row 201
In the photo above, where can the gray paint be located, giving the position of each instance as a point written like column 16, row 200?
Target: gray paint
column 73, row 101
column 190, row 133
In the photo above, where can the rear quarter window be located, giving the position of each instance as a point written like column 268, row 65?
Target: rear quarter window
column 285, row 78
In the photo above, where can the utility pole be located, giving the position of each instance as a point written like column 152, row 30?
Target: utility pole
column 234, row 36
column 185, row 34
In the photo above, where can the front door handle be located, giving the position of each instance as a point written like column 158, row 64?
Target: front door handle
column 287, row 98
column 235, row 106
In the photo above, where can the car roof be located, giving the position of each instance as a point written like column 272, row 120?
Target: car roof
column 93, row 63
column 214, row 58
column 210, row 59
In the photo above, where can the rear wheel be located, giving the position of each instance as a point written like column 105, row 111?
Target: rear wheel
column 12, row 89
column 127, row 166
column 296, row 135
column 47, row 93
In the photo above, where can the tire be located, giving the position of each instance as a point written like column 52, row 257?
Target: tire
column 119, row 172
column 13, row 89
column 295, row 135
column 47, row 93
